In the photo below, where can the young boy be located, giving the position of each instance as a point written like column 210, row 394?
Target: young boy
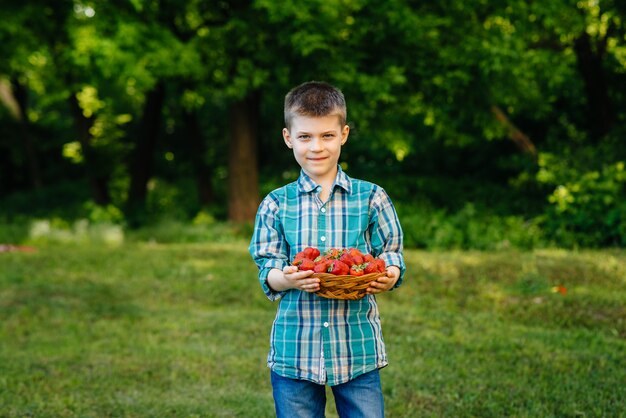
column 317, row 341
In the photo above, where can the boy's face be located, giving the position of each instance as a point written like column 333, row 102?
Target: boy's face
column 316, row 143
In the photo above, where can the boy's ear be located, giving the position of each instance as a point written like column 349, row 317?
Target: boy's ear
column 344, row 134
column 287, row 138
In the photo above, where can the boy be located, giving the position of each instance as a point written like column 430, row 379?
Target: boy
column 317, row 341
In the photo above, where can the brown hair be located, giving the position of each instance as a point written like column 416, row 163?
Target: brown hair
column 315, row 98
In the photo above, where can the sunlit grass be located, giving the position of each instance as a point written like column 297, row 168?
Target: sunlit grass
column 147, row 329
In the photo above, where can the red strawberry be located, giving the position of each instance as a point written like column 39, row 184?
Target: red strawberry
column 321, row 267
column 306, row 265
column 368, row 258
column 346, row 258
column 356, row 270
column 339, row 268
column 370, row 268
column 311, row 253
column 380, row 265
column 298, row 259
column 356, row 255
column 334, row 253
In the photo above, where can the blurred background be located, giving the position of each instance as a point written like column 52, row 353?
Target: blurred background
column 492, row 124
column 137, row 138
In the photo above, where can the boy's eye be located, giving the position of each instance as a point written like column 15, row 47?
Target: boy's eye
column 303, row 137
column 329, row 135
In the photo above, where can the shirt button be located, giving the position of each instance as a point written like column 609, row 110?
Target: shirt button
column 323, row 210
column 322, row 239
column 325, row 324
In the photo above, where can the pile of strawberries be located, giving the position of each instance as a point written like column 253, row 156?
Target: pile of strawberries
column 338, row 261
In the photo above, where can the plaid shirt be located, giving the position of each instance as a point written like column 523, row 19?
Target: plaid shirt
column 313, row 338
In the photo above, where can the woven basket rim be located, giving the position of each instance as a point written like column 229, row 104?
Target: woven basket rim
column 348, row 287
column 328, row 276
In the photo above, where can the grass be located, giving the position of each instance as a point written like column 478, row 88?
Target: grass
column 181, row 330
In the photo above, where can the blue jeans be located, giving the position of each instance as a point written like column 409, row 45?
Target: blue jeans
column 361, row 397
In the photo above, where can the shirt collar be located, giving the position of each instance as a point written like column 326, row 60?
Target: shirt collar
column 307, row 185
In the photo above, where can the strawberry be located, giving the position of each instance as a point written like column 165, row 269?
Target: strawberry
column 356, row 255
column 346, row 258
column 311, row 253
column 380, row 265
column 355, row 251
column 370, row 267
column 356, row 270
column 306, row 265
column 298, row 259
column 368, row 258
column 322, row 266
column 339, row 268
column 334, row 253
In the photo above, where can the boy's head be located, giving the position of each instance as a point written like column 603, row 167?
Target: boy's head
column 315, row 99
column 315, row 119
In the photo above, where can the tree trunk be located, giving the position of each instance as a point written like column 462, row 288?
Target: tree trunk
column 16, row 100
column 98, row 182
column 243, row 178
column 600, row 109
column 141, row 161
column 197, row 149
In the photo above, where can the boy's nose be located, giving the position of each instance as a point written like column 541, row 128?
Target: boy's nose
column 316, row 145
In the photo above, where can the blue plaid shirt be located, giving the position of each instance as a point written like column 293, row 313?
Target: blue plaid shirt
column 326, row 341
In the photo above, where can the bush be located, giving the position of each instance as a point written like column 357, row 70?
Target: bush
column 82, row 231
column 588, row 209
column 65, row 199
column 174, row 231
column 426, row 227
column 13, row 232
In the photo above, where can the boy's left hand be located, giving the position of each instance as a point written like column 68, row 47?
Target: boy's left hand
column 385, row 283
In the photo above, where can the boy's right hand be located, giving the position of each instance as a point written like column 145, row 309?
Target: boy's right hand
column 292, row 278
column 297, row 279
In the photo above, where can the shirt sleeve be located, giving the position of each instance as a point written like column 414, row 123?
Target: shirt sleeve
column 268, row 246
column 386, row 232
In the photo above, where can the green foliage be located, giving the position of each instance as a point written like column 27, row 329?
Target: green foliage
column 13, row 232
column 63, row 199
column 57, row 231
column 422, row 83
column 147, row 329
column 426, row 227
column 104, row 214
column 174, row 231
column 587, row 208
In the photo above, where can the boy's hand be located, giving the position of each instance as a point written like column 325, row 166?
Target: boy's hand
column 384, row 283
column 291, row 278
column 300, row 279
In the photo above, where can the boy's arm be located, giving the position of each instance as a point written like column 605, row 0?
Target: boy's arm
column 270, row 253
column 386, row 236
column 268, row 247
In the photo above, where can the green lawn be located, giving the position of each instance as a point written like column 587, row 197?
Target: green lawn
column 181, row 330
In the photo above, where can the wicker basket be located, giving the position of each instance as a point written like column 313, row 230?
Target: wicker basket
column 344, row 287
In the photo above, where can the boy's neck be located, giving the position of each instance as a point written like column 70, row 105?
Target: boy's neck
column 325, row 193
column 326, row 182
